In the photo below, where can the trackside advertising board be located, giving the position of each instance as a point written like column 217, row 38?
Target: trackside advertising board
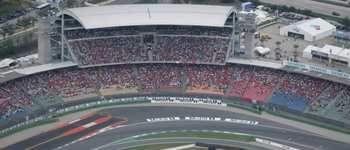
column 317, row 69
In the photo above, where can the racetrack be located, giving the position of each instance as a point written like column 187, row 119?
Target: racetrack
column 66, row 133
column 136, row 125
column 297, row 139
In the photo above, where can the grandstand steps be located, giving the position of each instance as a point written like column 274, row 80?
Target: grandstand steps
column 333, row 101
column 231, row 82
column 184, row 79
column 98, row 92
column 51, row 90
column 150, row 55
column 276, row 87
column 250, row 77
column 136, row 72
column 214, row 58
column 317, row 98
column 37, row 103
column 70, row 49
column 215, row 53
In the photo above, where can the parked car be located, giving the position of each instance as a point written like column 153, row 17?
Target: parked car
column 335, row 13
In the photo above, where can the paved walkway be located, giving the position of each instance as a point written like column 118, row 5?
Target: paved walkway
column 14, row 138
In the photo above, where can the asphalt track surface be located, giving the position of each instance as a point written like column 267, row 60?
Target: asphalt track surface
column 137, row 125
column 54, row 138
column 266, row 129
column 291, row 138
column 187, row 140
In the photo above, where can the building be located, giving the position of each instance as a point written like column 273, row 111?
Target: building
column 328, row 54
column 309, row 30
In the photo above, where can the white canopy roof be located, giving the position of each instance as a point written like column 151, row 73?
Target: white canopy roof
column 345, row 53
column 150, row 14
column 6, row 62
column 311, row 47
column 262, row 50
column 330, row 49
column 314, row 26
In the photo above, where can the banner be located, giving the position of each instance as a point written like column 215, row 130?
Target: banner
column 317, row 69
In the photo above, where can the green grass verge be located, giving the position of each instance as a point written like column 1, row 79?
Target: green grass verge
column 309, row 122
column 147, row 2
column 157, row 146
column 99, row 106
column 234, row 137
column 244, row 108
column 195, row 148
column 27, row 127
column 327, row 17
column 96, row 1
column 333, row 3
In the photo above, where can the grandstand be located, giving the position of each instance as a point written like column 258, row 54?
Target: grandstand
column 158, row 34
column 155, row 52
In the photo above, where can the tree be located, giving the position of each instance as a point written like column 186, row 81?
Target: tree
column 256, row 53
column 295, row 46
column 5, row 30
column 30, row 35
column 278, row 54
column 346, row 21
column 227, row 1
column 70, row 3
column 278, row 43
column 295, row 55
column 25, row 22
column 307, row 12
column 284, row 8
column 262, row 40
column 8, row 44
column 291, row 9
column 255, row 2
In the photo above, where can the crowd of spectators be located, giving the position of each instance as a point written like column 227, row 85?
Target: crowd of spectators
column 93, row 33
column 208, row 78
column 123, row 44
column 81, row 34
column 189, row 49
column 298, row 91
column 343, row 105
column 240, row 79
column 8, row 106
column 109, row 50
column 262, row 82
column 18, row 93
column 194, row 30
column 244, row 81
column 118, row 77
column 68, row 82
column 326, row 97
column 158, row 76
column 303, row 86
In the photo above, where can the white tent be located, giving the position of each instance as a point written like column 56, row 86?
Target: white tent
column 307, row 51
column 262, row 50
column 7, row 62
column 309, row 30
column 330, row 49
